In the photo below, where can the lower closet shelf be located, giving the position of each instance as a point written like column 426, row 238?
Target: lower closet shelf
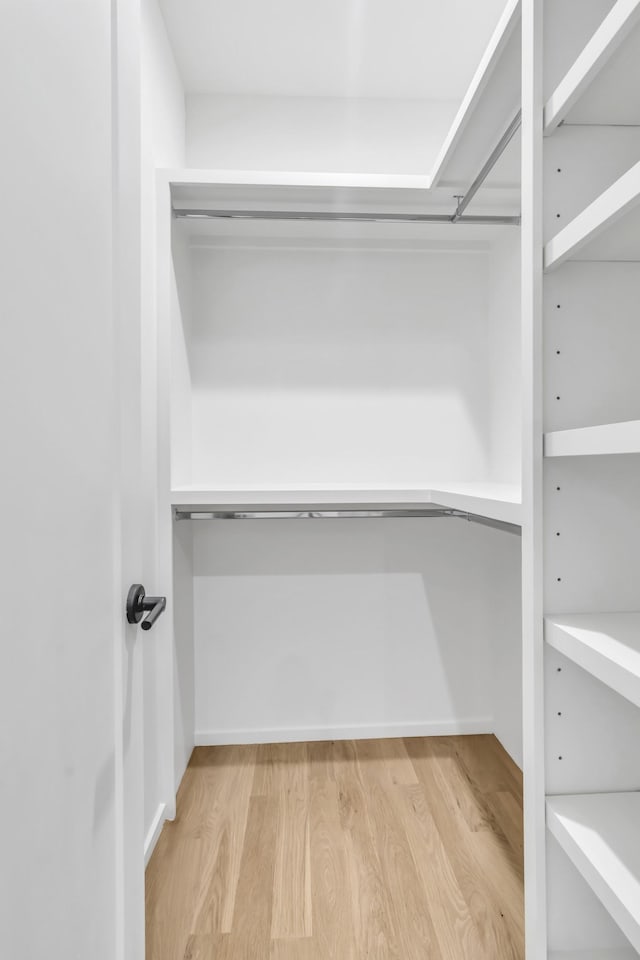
column 600, row 833
column 498, row 501
column 607, row 645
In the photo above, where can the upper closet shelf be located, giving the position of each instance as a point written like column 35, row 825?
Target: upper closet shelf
column 607, row 645
column 499, row 502
column 609, row 438
column 490, row 104
column 600, row 833
column 488, row 110
column 600, row 87
column 608, row 229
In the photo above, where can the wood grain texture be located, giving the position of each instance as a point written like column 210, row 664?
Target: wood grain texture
column 367, row 850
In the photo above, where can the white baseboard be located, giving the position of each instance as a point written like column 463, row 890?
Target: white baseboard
column 154, row 832
column 429, row 728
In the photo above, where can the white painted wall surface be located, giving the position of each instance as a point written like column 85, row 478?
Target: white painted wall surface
column 183, row 662
column 164, row 101
column 505, row 358
column 504, row 581
column 163, row 145
column 320, row 134
column 315, row 630
column 348, row 366
column 62, row 751
column 337, row 48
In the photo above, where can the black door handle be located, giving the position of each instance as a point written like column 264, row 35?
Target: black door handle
column 138, row 603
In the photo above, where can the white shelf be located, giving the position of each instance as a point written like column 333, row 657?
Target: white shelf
column 491, row 101
column 607, row 210
column 610, row 438
column 611, row 33
column 594, row 955
column 495, row 501
column 489, row 105
column 600, row 833
column 607, row 645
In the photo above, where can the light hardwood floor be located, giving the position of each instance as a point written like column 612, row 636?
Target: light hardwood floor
column 355, row 850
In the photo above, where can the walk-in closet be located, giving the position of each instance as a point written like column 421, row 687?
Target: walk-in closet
column 337, row 339
column 396, row 368
column 322, row 465
column 321, row 472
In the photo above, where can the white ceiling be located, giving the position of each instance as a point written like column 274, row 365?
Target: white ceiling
column 330, row 48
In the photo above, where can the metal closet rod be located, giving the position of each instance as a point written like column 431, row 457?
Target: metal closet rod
column 334, row 215
column 344, row 514
column 493, row 158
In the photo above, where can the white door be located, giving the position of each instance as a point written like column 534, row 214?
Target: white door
column 71, row 845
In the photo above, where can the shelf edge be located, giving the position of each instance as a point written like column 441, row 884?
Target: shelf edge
column 611, row 33
column 608, row 670
column 628, row 921
column 495, row 48
column 604, row 440
column 602, row 213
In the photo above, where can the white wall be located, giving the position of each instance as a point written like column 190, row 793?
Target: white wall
column 182, row 661
column 350, row 366
column 504, row 584
column 312, row 364
column 321, row 134
column 163, row 144
column 322, row 629
column 505, row 358
column 505, row 405
column 60, row 562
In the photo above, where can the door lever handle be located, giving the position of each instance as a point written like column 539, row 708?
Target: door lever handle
column 138, row 603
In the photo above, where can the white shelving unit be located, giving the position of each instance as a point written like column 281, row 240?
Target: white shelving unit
column 599, row 833
column 607, row 645
column 583, row 757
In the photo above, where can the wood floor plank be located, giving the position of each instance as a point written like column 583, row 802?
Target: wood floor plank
column 289, row 784
column 407, row 901
column 508, row 811
column 331, row 899
column 487, row 763
column 393, row 754
column 207, row 947
column 453, row 923
column 251, row 930
column 367, row 850
column 463, row 825
column 300, row 949
column 280, row 767
column 175, row 888
column 375, row 933
column 226, row 776
column 321, row 756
